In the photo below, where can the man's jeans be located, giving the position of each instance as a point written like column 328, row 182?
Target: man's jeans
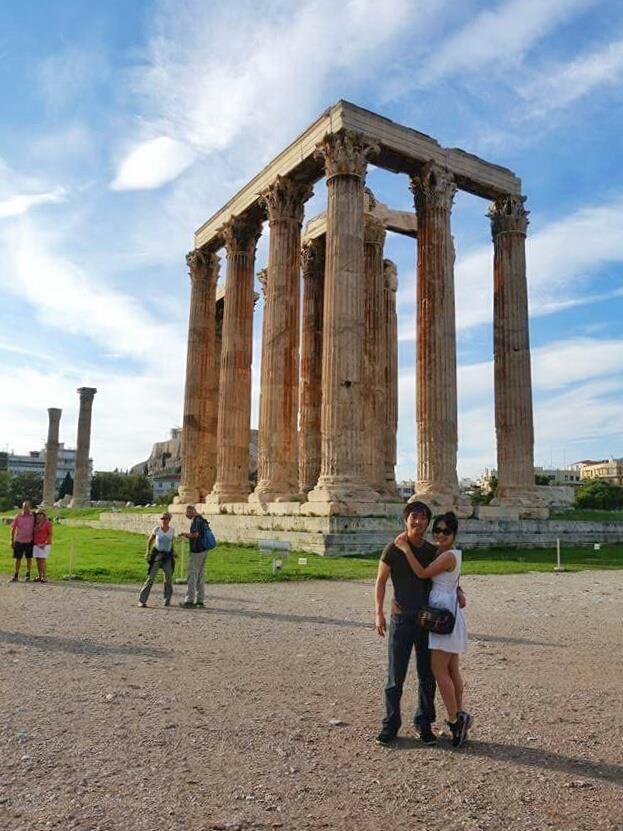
column 404, row 635
column 195, row 591
column 165, row 562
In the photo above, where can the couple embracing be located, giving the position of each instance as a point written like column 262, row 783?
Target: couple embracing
column 427, row 600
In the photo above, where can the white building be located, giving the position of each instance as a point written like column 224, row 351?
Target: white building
column 34, row 462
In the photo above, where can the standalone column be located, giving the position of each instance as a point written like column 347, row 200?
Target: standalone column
column 375, row 351
column 342, row 488
column 234, row 404
column 313, row 260
column 200, row 395
column 51, row 457
column 277, row 440
column 81, row 495
column 511, row 350
column 436, row 396
column 390, row 365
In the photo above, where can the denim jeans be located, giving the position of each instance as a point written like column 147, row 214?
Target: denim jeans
column 404, row 636
column 165, row 562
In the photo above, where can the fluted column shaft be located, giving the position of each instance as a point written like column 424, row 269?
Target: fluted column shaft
column 81, row 495
column 436, row 394
column 51, row 456
column 277, row 440
column 390, row 366
column 200, row 394
column 375, row 352
column 343, row 468
column 313, row 262
column 234, row 403
column 511, row 349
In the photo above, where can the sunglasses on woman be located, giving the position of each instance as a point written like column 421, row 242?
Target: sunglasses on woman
column 445, row 531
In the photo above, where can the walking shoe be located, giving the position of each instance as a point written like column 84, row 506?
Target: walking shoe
column 14, row 580
column 469, row 720
column 142, row 605
column 186, row 604
column 167, row 602
column 27, row 578
column 426, row 734
column 199, row 606
column 385, row 738
column 459, row 728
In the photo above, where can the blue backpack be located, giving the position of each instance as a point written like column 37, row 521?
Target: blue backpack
column 207, row 538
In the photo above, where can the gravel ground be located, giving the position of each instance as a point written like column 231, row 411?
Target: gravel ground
column 260, row 711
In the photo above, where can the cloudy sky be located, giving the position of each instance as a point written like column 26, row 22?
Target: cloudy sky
column 126, row 125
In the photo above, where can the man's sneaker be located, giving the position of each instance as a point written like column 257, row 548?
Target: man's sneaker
column 142, row 605
column 426, row 734
column 199, row 606
column 186, row 604
column 27, row 578
column 385, row 738
column 167, row 602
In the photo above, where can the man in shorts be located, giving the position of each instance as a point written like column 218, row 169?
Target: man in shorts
column 410, row 594
column 22, row 533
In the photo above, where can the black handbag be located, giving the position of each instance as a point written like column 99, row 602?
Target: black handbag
column 439, row 621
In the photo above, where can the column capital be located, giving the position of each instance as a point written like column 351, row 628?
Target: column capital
column 345, row 154
column 434, row 187
column 390, row 272
column 54, row 413
column 202, row 264
column 241, row 234
column 374, row 231
column 86, row 393
column 285, row 199
column 313, row 257
column 508, row 215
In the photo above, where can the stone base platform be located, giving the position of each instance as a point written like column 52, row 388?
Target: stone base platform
column 343, row 536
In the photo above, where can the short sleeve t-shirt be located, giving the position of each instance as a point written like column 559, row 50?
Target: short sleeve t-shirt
column 42, row 533
column 24, row 525
column 410, row 591
column 163, row 539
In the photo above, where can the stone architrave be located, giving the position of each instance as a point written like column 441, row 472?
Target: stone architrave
column 234, row 404
column 511, row 350
column 374, row 352
column 201, row 390
column 278, row 441
column 313, row 264
column 81, row 495
column 390, row 365
column 342, row 486
column 436, row 386
column 51, row 456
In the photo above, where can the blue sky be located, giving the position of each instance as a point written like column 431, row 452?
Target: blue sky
column 125, row 125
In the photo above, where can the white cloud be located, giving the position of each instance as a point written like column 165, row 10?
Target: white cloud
column 21, row 203
column 558, row 86
column 500, row 36
column 153, row 163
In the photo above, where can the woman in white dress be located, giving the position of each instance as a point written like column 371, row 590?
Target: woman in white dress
column 444, row 572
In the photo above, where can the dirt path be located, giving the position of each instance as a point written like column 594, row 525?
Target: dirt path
column 116, row 717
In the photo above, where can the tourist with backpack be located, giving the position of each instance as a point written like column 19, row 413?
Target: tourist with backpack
column 201, row 541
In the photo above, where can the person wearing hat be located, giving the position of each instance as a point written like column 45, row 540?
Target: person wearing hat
column 159, row 554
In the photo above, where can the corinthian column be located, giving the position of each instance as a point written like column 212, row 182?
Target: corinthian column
column 200, row 395
column 390, row 366
column 511, row 350
column 436, row 396
column 342, row 487
column 375, row 351
column 51, row 456
column 234, row 404
column 277, row 440
column 313, row 259
column 81, row 494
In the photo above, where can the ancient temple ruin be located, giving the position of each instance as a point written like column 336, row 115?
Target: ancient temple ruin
column 328, row 395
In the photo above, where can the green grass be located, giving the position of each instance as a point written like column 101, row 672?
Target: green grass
column 105, row 556
column 580, row 515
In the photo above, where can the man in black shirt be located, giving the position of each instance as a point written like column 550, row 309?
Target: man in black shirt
column 410, row 593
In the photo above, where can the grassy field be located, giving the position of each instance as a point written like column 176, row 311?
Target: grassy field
column 118, row 556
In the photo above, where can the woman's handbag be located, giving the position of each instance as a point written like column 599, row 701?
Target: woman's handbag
column 439, row 621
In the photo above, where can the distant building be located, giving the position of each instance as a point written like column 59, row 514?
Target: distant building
column 609, row 469
column 34, row 462
column 560, row 476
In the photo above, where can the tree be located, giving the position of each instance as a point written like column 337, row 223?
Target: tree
column 167, row 498
column 542, row 479
column 6, row 502
column 26, row 487
column 67, row 486
column 121, row 487
column 599, row 494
